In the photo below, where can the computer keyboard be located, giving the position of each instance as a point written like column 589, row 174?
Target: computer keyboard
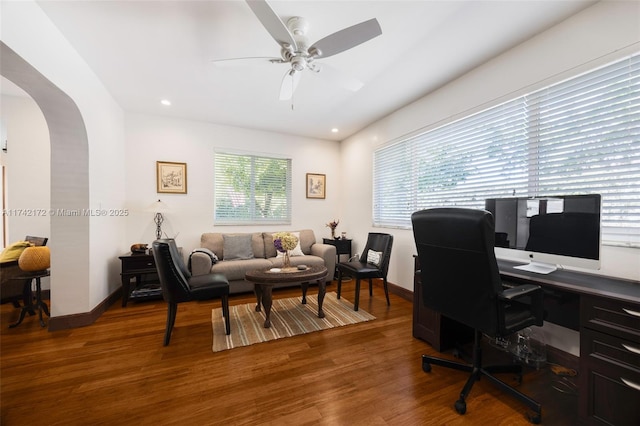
column 509, row 284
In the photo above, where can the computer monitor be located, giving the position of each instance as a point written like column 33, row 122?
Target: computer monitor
column 548, row 231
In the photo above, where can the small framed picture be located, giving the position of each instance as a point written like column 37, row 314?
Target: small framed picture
column 171, row 177
column 316, row 185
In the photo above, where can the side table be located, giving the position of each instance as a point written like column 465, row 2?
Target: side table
column 139, row 266
column 343, row 246
column 39, row 305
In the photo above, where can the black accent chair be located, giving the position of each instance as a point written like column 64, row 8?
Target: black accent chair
column 373, row 263
column 179, row 286
column 460, row 279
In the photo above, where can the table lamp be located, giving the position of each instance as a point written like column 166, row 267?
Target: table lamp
column 159, row 208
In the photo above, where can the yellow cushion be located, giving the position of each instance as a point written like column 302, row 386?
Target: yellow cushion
column 13, row 251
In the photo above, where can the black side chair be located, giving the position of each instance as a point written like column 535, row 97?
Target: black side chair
column 460, row 279
column 373, row 263
column 179, row 286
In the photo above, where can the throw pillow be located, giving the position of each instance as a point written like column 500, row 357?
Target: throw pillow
column 297, row 251
column 237, row 247
column 13, row 251
column 374, row 257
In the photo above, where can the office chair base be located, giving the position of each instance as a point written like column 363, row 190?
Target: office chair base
column 477, row 373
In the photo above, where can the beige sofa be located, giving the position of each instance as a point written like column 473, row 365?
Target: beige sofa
column 250, row 251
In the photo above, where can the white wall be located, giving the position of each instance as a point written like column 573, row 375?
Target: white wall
column 600, row 34
column 27, row 175
column 81, row 275
column 154, row 138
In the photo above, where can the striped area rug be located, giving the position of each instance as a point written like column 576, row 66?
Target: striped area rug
column 289, row 317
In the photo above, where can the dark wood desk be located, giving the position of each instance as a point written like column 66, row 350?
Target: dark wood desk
column 142, row 268
column 606, row 312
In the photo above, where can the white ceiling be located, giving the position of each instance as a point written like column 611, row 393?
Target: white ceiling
column 144, row 51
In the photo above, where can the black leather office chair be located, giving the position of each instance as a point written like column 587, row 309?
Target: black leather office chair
column 179, row 286
column 460, row 279
column 373, row 263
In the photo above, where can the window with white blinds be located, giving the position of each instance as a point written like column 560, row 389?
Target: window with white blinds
column 251, row 189
column 579, row 136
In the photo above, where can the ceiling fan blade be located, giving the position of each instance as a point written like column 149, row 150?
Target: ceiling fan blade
column 289, row 84
column 338, row 78
column 272, row 23
column 346, row 39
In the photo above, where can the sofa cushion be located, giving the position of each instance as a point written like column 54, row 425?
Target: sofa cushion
column 236, row 270
column 297, row 251
column 214, row 241
column 306, row 239
column 237, row 247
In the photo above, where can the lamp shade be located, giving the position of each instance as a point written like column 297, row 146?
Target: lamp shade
column 35, row 259
column 158, row 207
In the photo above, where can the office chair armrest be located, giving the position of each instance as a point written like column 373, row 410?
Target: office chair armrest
column 520, row 291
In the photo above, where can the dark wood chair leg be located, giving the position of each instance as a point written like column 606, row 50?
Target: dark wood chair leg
column 386, row 290
column 370, row 287
column 225, row 313
column 357, row 301
column 339, row 283
column 172, row 308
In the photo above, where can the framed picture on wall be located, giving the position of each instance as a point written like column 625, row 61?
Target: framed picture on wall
column 316, row 185
column 171, row 177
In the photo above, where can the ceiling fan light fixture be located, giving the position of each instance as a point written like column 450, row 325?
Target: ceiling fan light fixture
column 296, row 51
column 298, row 63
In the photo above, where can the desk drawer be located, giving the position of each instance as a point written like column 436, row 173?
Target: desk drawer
column 614, row 317
column 610, row 376
column 134, row 263
column 603, row 347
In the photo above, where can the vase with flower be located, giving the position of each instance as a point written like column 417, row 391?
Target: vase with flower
column 333, row 225
column 284, row 242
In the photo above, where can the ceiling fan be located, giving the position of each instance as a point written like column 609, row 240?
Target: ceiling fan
column 296, row 51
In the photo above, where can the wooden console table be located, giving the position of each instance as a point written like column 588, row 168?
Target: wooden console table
column 606, row 312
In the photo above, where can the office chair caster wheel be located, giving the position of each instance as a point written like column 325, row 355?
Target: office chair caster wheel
column 461, row 406
column 426, row 367
column 535, row 418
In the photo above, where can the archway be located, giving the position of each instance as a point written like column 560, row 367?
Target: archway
column 70, row 235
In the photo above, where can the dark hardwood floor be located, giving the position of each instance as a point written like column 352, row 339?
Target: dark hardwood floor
column 116, row 372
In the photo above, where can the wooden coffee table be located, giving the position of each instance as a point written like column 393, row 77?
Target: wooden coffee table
column 264, row 280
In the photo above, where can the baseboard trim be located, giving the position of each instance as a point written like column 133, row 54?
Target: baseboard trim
column 84, row 319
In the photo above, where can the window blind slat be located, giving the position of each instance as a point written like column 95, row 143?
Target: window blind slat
column 579, row 136
column 251, row 189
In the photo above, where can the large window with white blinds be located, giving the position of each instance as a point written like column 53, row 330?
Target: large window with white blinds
column 251, row 189
column 579, row 136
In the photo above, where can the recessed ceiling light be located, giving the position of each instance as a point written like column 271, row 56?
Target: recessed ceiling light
column 334, row 130
column 165, row 102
